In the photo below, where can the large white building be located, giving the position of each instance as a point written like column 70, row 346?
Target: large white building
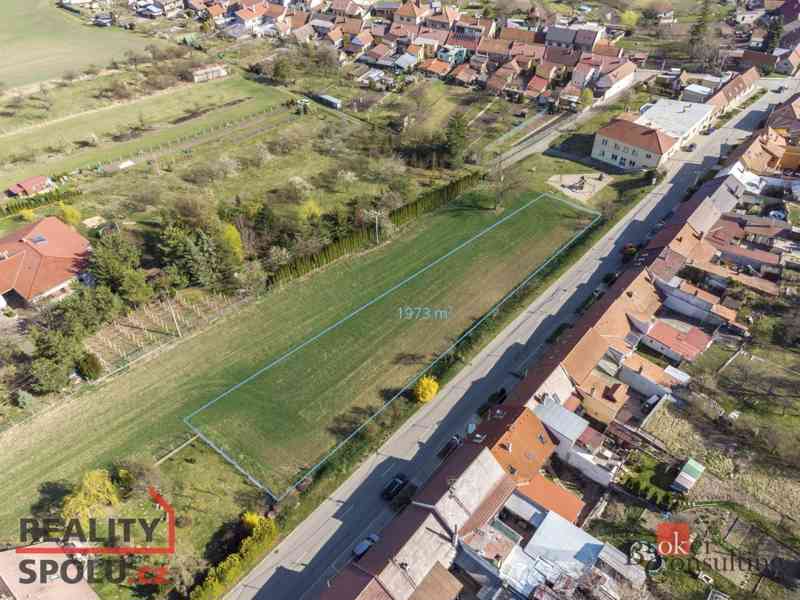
column 678, row 119
column 628, row 145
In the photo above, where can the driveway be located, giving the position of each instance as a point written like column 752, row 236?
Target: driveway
column 317, row 549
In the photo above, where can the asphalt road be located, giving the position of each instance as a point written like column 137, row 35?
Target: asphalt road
column 300, row 566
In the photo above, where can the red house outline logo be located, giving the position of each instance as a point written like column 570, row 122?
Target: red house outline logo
column 119, row 550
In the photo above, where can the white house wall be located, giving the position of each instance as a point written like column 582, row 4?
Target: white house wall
column 584, row 463
column 640, row 383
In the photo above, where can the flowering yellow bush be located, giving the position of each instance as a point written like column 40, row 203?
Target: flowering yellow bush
column 426, row 389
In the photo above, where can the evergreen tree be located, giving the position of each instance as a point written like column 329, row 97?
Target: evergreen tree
column 774, row 34
column 456, row 140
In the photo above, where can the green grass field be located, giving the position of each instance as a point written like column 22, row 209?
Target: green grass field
column 287, row 418
column 139, row 413
column 42, row 42
column 226, row 100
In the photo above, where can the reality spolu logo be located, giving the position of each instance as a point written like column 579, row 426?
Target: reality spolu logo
column 94, row 563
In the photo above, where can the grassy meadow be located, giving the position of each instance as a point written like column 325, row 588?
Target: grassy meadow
column 288, row 417
column 41, row 42
column 138, row 414
column 125, row 129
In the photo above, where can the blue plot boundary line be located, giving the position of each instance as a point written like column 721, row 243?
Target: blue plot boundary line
column 410, row 382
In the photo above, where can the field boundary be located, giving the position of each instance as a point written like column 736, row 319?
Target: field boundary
column 412, row 380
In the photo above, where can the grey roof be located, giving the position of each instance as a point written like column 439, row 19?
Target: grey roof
column 560, row 420
column 525, row 508
column 719, row 195
column 674, row 117
column 699, row 89
column 561, row 35
column 586, row 36
column 564, row 544
column 406, row 60
column 620, row 563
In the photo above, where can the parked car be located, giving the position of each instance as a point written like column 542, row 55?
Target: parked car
column 690, row 147
column 394, row 486
column 364, row 545
column 453, row 443
column 708, row 131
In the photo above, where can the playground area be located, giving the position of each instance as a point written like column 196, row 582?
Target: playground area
column 580, row 186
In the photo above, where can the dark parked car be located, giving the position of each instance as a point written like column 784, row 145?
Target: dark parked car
column 453, row 443
column 394, row 486
column 364, row 545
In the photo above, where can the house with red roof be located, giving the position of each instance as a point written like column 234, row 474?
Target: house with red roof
column 40, row 261
column 31, row 186
column 677, row 342
column 629, row 145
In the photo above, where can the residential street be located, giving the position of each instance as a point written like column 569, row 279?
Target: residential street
column 321, row 545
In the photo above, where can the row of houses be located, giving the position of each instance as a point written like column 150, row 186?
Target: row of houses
column 490, row 520
column 649, row 138
column 443, row 42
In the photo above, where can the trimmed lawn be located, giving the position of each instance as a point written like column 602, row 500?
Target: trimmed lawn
column 139, row 413
column 42, row 42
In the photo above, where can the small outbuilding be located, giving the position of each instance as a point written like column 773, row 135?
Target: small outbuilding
column 688, row 477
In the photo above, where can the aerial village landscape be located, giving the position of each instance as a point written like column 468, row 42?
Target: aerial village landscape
column 398, row 300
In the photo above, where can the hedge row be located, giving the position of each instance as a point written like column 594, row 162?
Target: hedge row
column 361, row 238
column 434, row 199
column 222, row 577
column 14, row 206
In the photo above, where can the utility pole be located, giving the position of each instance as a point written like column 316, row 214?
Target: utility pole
column 376, row 214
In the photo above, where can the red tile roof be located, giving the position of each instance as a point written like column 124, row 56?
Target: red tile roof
column 537, row 85
column 436, row 67
column 735, row 88
column 518, row 440
column 30, row 186
column 492, row 46
column 40, row 257
column 518, row 35
column 689, row 344
column 552, row 496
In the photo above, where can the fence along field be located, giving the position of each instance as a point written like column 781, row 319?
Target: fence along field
column 277, row 422
column 140, row 412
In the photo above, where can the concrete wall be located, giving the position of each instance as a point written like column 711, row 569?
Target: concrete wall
column 661, row 348
column 583, row 462
column 614, row 152
column 616, row 88
column 640, row 383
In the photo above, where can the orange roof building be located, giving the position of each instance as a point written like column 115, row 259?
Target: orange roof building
column 626, row 144
column 41, row 259
column 552, row 497
column 518, row 440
